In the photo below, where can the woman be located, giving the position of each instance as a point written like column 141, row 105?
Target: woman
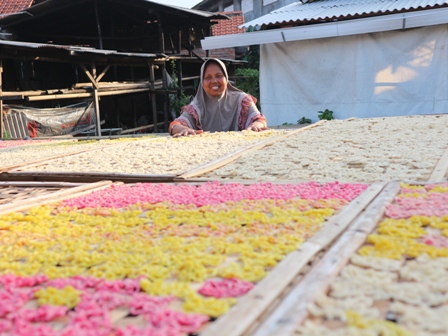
column 218, row 106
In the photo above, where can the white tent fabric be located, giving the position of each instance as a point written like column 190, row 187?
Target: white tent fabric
column 393, row 73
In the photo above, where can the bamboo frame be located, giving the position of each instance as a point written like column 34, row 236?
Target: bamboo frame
column 39, row 184
column 76, row 177
column 243, row 316
column 222, row 161
column 440, row 171
column 54, row 197
column 293, row 308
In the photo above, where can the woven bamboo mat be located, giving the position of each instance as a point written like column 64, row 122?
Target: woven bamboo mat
column 258, row 302
column 294, row 309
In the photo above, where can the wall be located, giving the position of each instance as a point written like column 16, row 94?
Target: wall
column 394, row 73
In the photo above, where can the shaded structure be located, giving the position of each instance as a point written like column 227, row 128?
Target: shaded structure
column 118, row 54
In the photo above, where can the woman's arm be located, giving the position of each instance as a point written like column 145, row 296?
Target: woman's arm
column 186, row 123
column 251, row 117
column 177, row 130
column 258, row 125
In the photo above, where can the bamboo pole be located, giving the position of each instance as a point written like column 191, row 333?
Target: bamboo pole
column 54, row 197
column 292, row 310
column 260, row 299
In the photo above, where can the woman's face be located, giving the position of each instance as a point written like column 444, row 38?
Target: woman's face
column 214, row 81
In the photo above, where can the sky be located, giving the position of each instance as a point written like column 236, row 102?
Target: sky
column 180, row 3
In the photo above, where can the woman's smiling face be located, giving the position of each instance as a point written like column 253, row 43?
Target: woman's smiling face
column 214, row 81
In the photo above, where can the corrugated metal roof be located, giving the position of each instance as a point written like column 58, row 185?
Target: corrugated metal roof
column 74, row 51
column 335, row 10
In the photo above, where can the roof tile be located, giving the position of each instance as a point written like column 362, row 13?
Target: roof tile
column 13, row 6
column 226, row 27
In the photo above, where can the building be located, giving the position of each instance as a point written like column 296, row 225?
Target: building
column 251, row 9
column 116, row 54
column 357, row 59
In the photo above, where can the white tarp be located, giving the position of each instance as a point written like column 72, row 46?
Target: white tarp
column 56, row 121
column 391, row 73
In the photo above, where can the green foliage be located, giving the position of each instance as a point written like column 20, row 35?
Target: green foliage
column 7, row 135
column 325, row 115
column 286, row 124
column 252, row 57
column 251, row 83
column 177, row 101
column 304, row 120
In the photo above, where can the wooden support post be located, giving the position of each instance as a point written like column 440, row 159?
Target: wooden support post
column 96, row 101
column 153, row 97
column 165, row 97
column 179, row 42
column 161, row 34
column 100, row 37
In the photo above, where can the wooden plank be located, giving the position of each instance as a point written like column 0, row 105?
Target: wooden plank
column 54, row 197
column 293, row 308
column 210, row 166
column 130, row 130
column 84, row 177
column 440, row 171
column 261, row 298
column 39, row 184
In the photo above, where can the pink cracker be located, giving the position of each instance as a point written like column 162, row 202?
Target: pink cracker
column 175, row 320
column 13, row 299
column 24, row 328
column 144, row 304
column 437, row 241
column 11, row 280
column 118, row 196
column 435, row 204
column 103, row 299
column 148, row 331
column 14, row 143
column 225, row 288
column 44, row 313
column 5, row 325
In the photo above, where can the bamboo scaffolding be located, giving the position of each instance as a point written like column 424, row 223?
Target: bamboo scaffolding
column 242, row 317
column 440, row 171
column 293, row 308
column 54, row 197
column 210, row 166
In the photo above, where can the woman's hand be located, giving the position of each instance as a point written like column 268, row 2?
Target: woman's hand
column 257, row 126
column 179, row 130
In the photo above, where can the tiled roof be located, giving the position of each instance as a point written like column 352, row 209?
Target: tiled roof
column 227, row 27
column 13, row 6
column 336, row 10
